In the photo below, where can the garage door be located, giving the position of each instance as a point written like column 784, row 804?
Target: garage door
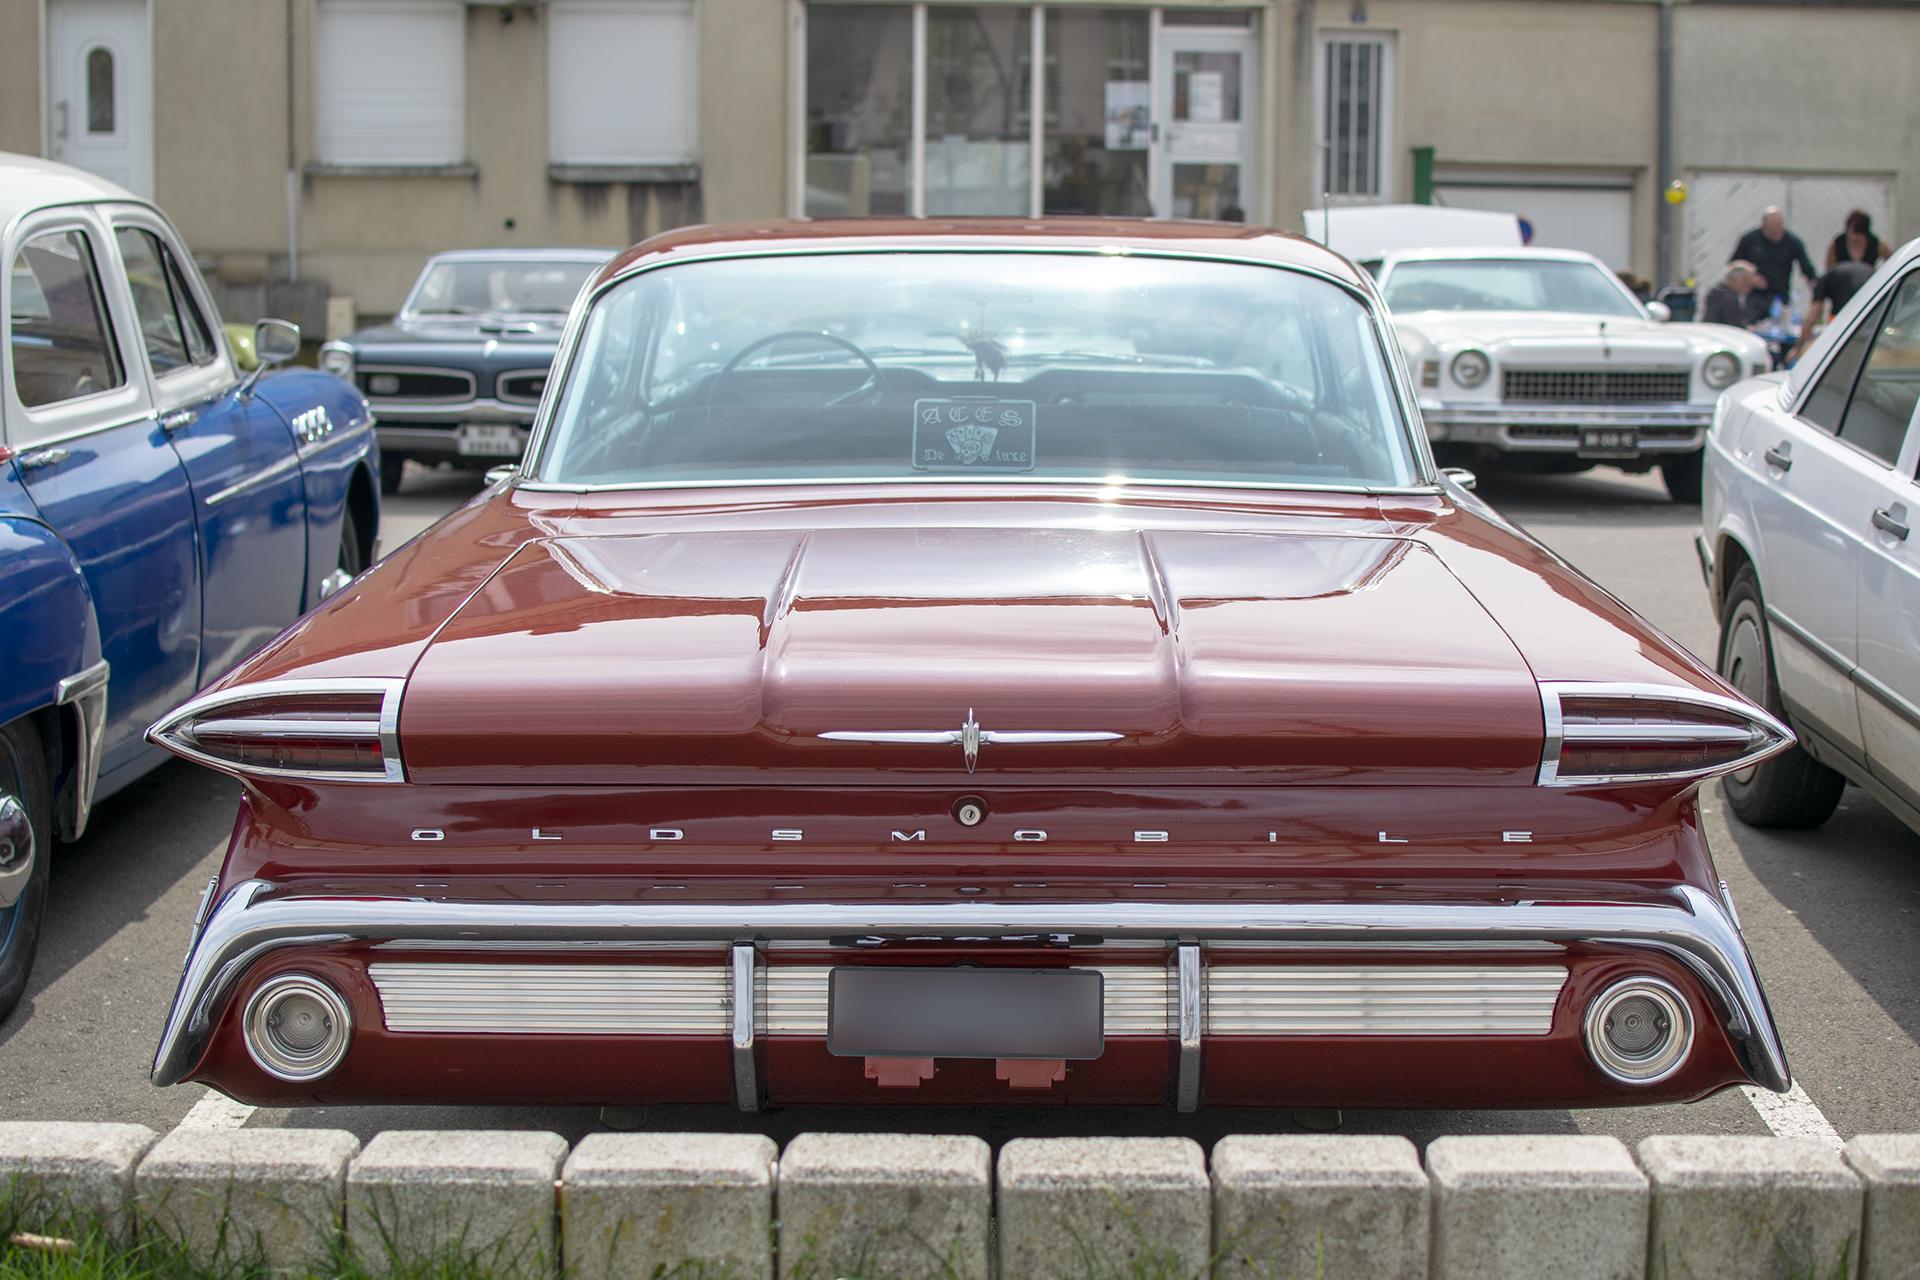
column 1723, row 206
column 1596, row 217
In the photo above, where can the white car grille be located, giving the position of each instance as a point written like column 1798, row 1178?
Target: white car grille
column 1596, row 386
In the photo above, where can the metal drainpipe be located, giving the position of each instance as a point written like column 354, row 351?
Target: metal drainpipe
column 1663, row 212
column 293, row 169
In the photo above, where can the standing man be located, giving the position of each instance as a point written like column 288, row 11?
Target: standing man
column 1775, row 251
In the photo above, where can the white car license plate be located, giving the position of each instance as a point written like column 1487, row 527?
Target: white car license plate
column 491, row 441
column 1605, row 442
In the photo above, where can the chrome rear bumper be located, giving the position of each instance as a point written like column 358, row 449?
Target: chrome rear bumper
column 1692, row 927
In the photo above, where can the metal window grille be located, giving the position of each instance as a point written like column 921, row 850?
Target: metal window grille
column 1352, row 112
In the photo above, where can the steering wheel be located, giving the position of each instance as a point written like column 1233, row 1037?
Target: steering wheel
column 874, row 376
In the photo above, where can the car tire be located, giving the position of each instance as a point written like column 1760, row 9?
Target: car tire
column 25, row 815
column 351, row 561
column 393, row 467
column 1681, row 473
column 1792, row 789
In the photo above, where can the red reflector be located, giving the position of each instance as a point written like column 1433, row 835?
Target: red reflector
column 291, row 751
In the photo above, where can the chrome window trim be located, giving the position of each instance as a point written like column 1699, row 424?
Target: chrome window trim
column 438, row 371
column 1686, row 924
column 1559, row 733
column 1363, row 291
column 165, row 731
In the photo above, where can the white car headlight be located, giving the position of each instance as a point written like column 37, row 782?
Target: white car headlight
column 337, row 361
column 1721, row 370
column 1470, row 368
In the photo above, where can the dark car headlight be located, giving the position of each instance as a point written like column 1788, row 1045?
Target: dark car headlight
column 1721, row 370
column 1470, row 368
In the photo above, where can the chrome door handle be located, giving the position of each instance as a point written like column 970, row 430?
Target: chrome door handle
column 1781, row 456
column 178, row 421
column 43, row 458
column 1886, row 522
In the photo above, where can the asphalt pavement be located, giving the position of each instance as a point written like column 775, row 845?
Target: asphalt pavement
column 1832, row 917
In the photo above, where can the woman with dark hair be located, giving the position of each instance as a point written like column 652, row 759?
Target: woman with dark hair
column 1857, row 243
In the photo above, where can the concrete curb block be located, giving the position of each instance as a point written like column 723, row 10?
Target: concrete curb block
column 907, row 1207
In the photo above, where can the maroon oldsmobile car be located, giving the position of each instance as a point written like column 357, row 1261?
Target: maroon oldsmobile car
column 973, row 661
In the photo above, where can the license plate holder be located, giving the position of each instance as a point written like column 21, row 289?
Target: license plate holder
column 1609, row 442
column 488, row 440
column 880, row 1012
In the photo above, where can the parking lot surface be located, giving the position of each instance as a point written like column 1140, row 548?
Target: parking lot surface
column 1830, row 914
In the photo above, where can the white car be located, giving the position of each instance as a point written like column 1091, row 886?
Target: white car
column 1541, row 360
column 1809, row 507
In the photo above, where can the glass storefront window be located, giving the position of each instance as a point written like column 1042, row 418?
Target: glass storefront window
column 979, row 130
column 859, row 109
column 929, row 109
column 1099, row 109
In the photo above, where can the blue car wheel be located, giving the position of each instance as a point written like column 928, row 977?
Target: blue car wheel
column 26, row 840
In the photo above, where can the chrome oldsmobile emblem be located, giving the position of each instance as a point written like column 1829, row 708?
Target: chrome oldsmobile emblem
column 969, row 737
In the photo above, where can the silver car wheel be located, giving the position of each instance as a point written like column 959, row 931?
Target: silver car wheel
column 16, row 849
column 1745, row 663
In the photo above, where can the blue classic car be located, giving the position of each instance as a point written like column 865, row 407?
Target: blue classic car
column 457, row 376
column 162, row 513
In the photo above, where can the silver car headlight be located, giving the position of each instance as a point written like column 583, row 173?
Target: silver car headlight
column 1470, row 368
column 337, row 360
column 1721, row 370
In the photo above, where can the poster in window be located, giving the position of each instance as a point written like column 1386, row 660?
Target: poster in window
column 1128, row 104
column 1206, row 97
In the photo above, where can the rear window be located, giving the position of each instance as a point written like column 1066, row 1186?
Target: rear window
column 946, row 366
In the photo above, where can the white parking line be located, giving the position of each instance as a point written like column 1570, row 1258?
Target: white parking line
column 1793, row 1114
column 218, row 1111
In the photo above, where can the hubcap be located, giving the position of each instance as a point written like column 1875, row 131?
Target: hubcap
column 16, row 850
column 1746, row 668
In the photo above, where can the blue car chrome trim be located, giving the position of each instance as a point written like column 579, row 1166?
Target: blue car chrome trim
column 1690, row 926
column 86, row 693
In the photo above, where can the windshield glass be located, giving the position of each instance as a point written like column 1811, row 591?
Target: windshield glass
column 1491, row 284
column 999, row 366
column 518, row 288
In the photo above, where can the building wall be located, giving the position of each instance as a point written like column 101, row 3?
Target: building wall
column 20, row 77
column 1828, row 90
column 1569, row 85
column 744, row 90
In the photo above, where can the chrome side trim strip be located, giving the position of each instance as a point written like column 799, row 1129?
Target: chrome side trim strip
column 264, row 475
column 749, row 1082
column 86, row 692
column 1190, row 1000
column 1687, row 924
column 1820, row 648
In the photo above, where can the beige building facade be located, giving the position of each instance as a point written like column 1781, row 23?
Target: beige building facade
column 339, row 142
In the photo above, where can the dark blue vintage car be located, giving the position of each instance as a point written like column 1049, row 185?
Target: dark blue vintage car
column 162, row 513
column 457, row 376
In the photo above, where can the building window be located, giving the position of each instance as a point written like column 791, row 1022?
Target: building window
column 621, row 82
column 390, row 83
column 99, row 91
column 1356, row 108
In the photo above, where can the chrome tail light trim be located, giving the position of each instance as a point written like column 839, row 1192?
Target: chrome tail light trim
column 1769, row 735
column 1687, row 924
column 175, row 730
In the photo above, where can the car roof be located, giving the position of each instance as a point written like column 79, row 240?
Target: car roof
column 28, row 183
column 572, row 254
column 1222, row 240
column 1443, row 254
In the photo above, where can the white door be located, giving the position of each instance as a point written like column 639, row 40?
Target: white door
column 1207, row 101
column 100, row 89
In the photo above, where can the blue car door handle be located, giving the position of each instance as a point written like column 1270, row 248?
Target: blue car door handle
column 43, row 458
column 178, row 421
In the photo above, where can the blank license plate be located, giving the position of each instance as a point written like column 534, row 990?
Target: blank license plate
column 965, row 1013
column 1605, row 441
column 491, row 441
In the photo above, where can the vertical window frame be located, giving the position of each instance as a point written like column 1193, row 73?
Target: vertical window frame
column 1329, row 183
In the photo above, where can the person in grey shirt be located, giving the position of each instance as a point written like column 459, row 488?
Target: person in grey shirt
column 1732, row 300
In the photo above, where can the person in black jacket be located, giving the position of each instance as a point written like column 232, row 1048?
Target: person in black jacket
column 1775, row 251
column 1731, row 301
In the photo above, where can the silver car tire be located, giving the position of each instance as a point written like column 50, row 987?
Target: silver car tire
column 1792, row 789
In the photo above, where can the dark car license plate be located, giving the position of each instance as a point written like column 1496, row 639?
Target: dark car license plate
column 965, row 1013
column 1606, row 442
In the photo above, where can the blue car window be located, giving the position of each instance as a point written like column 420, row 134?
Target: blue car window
column 62, row 346
column 170, row 323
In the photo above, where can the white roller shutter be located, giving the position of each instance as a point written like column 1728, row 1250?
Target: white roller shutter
column 1598, row 220
column 390, row 82
column 1723, row 206
column 621, row 82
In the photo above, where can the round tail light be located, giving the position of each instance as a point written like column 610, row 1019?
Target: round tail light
column 297, row 1027
column 1639, row 1030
